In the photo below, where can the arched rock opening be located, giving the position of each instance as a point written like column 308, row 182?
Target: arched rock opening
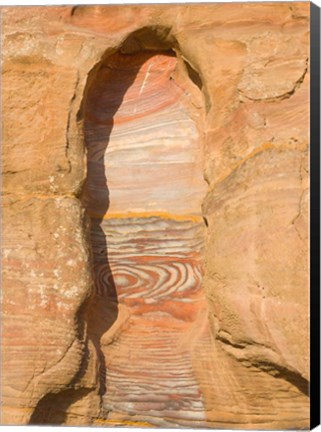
column 143, row 193
column 146, row 320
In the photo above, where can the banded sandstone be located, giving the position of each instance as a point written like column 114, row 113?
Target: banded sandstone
column 246, row 107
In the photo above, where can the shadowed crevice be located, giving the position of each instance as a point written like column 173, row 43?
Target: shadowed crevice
column 294, row 378
column 193, row 75
column 52, row 408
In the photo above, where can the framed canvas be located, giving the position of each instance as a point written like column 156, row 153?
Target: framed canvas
column 161, row 205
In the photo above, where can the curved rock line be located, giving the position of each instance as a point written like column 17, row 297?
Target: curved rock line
column 144, row 158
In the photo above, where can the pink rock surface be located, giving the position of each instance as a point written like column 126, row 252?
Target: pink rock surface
column 144, row 172
column 229, row 103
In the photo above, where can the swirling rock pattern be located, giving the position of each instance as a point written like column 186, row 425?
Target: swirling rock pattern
column 248, row 93
column 144, row 167
column 149, row 364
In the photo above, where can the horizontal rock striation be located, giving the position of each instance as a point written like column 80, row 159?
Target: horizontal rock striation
column 144, row 169
column 134, row 293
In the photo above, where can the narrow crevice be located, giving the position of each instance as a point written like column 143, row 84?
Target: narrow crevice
column 294, row 378
column 52, row 409
column 274, row 369
column 193, row 75
column 283, row 96
column 205, row 221
column 68, row 131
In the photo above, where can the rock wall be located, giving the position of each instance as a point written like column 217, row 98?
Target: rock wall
column 112, row 115
column 143, row 192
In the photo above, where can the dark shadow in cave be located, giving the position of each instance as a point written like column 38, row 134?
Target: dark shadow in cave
column 103, row 100
column 106, row 87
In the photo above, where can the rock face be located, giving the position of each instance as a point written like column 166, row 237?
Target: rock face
column 147, row 253
column 155, row 252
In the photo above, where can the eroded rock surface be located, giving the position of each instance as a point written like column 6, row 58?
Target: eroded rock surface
column 134, row 293
column 144, row 191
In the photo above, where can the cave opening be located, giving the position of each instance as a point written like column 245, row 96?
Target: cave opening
column 143, row 193
column 147, row 317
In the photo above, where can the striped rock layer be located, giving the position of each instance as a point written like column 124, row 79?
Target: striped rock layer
column 143, row 192
column 113, row 358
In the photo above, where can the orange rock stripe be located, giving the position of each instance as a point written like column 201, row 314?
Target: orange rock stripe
column 160, row 214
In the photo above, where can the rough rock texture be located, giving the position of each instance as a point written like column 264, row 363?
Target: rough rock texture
column 148, row 183
column 134, row 292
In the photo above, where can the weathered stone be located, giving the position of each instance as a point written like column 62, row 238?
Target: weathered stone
column 135, row 293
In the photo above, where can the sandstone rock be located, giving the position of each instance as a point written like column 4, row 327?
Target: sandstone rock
column 155, row 251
